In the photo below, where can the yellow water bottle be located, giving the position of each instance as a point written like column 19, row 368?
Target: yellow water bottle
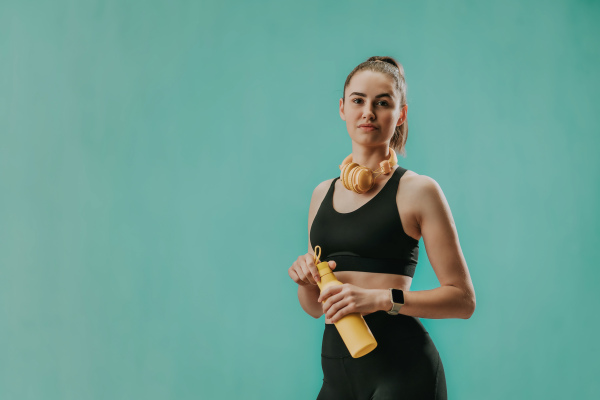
column 352, row 327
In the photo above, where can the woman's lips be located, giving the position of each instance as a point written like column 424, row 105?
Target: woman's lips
column 367, row 128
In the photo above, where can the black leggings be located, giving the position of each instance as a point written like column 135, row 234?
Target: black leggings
column 404, row 365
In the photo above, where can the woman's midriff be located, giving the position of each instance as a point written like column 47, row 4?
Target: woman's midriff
column 371, row 280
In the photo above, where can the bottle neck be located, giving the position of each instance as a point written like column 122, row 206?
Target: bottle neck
column 328, row 277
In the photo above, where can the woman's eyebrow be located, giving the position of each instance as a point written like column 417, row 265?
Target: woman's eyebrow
column 378, row 96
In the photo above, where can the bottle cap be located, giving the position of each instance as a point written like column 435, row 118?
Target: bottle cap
column 322, row 266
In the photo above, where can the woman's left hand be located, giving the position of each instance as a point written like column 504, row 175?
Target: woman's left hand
column 340, row 300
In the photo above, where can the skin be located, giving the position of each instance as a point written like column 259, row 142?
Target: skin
column 423, row 209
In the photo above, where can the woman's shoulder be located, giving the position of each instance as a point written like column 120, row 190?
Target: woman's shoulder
column 418, row 181
column 419, row 187
column 422, row 182
column 321, row 189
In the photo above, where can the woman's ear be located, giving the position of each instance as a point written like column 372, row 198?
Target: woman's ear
column 342, row 109
column 403, row 112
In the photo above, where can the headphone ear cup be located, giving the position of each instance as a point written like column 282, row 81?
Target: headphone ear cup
column 363, row 180
column 351, row 177
column 346, row 175
column 342, row 172
column 343, row 175
column 355, row 180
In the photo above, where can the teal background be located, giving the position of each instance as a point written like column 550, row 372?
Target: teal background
column 157, row 161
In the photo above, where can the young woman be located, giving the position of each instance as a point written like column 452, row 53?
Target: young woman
column 369, row 230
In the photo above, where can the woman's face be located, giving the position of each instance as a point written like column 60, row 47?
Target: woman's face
column 371, row 99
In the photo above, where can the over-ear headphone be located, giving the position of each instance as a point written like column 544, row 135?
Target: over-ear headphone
column 360, row 178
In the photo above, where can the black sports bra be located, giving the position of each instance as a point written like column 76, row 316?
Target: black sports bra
column 370, row 238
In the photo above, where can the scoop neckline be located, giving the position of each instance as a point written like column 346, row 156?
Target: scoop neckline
column 370, row 200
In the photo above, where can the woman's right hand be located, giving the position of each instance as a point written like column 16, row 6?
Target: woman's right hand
column 304, row 271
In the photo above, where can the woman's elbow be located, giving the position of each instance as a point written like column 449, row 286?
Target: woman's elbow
column 470, row 308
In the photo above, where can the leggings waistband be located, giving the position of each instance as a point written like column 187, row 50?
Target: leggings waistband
column 387, row 330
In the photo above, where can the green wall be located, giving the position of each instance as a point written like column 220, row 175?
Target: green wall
column 157, row 161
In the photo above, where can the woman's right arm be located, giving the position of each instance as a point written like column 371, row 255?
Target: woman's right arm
column 304, row 271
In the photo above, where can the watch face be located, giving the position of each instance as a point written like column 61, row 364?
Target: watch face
column 397, row 296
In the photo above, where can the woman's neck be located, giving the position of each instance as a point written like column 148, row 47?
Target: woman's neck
column 370, row 157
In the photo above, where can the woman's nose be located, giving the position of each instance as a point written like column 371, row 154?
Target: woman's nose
column 368, row 113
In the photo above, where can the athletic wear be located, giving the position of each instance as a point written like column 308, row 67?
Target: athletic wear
column 404, row 365
column 370, row 238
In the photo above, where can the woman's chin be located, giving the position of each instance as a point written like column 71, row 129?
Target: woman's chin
column 369, row 140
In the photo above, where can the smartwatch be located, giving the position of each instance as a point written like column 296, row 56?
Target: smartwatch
column 397, row 299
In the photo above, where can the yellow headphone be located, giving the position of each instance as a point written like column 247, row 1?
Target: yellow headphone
column 360, row 178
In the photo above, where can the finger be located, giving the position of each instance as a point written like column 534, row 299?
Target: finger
column 323, row 294
column 307, row 273
column 339, row 310
column 296, row 278
column 334, row 299
column 332, row 265
column 330, row 291
column 313, row 270
column 302, row 276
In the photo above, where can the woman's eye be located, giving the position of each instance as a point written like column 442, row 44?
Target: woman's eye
column 385, row 103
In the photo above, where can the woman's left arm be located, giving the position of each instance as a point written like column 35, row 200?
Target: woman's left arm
column 455, row 298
